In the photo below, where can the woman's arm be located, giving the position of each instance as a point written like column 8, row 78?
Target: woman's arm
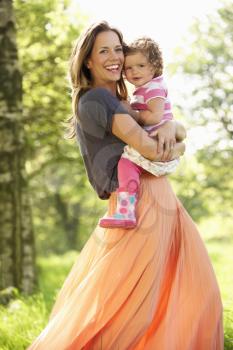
column 127, row 129
column 167, row 135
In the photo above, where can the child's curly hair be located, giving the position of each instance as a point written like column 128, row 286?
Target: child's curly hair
column 150, row 49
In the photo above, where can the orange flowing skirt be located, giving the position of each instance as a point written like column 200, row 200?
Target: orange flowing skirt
column 148, row 288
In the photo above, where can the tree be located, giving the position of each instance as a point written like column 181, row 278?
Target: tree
column 17, row 263
column 207, row 65
column 62, row 198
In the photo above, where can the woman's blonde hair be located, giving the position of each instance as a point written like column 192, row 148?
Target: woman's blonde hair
column 79, row 74
column 150, row 49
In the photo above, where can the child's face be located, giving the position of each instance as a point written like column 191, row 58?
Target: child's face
column 138, row 70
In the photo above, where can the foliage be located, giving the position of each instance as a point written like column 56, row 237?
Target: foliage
column 60, row 191
column 206, row 66
column 187, row 182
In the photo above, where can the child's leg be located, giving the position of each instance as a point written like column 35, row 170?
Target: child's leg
column 180, row 132
column 178, row 150
column 128, row 175
column 128, row 178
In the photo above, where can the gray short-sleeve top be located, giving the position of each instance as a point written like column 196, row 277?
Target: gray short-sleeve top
column 100, row 149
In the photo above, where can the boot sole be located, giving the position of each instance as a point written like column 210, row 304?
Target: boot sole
column 124, row 224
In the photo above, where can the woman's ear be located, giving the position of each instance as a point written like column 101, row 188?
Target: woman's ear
column 88, row 64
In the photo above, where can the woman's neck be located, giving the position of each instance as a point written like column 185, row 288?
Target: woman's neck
column 112, row 87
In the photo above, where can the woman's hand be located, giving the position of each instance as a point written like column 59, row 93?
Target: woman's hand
column 166, row 136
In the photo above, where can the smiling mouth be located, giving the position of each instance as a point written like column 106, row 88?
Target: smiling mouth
column 114, row 68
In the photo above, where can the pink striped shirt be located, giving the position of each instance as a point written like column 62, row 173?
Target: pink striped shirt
column 154, row 88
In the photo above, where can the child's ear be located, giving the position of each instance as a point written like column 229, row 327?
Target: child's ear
column 153, row 71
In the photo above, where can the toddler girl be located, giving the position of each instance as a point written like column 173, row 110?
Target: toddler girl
column 143, row 68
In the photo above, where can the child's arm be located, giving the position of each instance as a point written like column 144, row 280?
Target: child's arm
column 154, row 113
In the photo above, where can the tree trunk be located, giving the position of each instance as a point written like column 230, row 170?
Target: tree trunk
column 17, row 253
column 69, row 222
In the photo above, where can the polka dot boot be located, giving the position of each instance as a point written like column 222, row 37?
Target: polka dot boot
column 125, row 212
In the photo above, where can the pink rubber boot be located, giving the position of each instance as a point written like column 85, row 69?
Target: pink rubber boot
column 125, row 212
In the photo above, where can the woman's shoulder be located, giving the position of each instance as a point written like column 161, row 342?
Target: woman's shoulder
column 101, row 99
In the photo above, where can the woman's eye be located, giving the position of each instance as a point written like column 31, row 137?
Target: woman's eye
column 119, row 49
column 103, row 51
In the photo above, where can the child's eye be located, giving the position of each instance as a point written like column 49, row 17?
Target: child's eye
column 141, row 65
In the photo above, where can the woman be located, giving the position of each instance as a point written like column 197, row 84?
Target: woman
column 152, row 287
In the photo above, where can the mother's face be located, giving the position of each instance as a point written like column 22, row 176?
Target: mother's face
column 106, row 60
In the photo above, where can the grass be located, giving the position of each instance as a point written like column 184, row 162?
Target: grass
column 24, row 317
column 222, row 259
column 219, row 242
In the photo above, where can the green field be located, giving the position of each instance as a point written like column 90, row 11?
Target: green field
column 24, row 317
